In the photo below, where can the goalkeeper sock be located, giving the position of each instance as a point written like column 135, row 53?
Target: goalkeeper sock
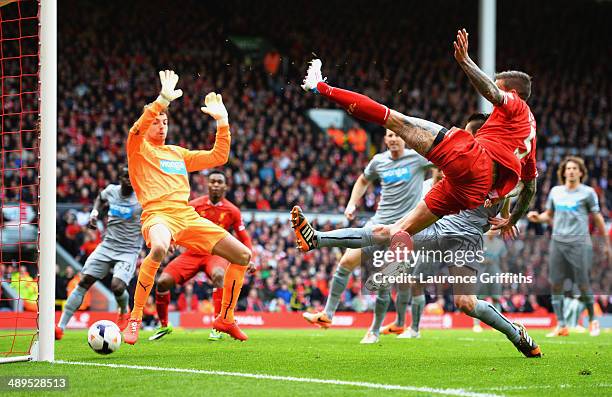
column 418, row 304
column 401, row 303
column 72, row 305
column 380, row 310
column 353, row 237
column 146, row 278
column 357, row 105
column 490, row 316
column 338, row 285
column 162, row 300
column 232, row 284
column 557, row 304
column 217, row 298
column 122, row 301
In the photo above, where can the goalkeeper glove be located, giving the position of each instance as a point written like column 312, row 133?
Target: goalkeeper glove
column 215, row 108
column 168, row 82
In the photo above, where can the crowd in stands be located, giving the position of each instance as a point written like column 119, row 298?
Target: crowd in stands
column 279, row 158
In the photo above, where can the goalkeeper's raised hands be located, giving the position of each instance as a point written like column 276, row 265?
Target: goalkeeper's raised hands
column 215, row 108
column 168, row 91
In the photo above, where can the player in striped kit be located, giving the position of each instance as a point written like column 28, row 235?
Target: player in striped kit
column 571, row 251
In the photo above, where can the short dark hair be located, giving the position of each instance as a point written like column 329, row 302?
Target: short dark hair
column 573, row 159
column 218, row 172
column 477, row 117
column 480, row 118
column 515, row 80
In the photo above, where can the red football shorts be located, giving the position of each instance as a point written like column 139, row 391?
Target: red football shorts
column 468, row 174
column 188, row 264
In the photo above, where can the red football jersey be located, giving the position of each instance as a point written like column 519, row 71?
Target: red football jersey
column 509, row 136
column 224, row 213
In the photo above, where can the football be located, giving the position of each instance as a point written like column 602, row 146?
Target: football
column 104, row 337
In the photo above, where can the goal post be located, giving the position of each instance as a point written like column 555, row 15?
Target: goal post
column 28, row 137
column 47, row 197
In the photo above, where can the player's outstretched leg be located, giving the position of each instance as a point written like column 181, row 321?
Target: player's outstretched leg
column 74, row 301
column 485, row 312
column 420, row 135
column 307, row 238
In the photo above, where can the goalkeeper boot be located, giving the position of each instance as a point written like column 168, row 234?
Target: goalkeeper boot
column 526, row 345
column 59, row 332
column 391, row 329
column 313, row 76
column 319, row 319
column 215, row 336
column 231, row 329
column 130, row 335
column 161, row 332
column 305, row 238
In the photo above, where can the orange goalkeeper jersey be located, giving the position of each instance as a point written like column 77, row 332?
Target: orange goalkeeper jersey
column 159, row 173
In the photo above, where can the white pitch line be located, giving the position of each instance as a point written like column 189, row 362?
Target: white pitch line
column 429, row 390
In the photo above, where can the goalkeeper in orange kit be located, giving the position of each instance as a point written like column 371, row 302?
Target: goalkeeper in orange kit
column 159, row 175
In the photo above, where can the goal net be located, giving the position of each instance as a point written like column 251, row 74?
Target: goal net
column 26, row 252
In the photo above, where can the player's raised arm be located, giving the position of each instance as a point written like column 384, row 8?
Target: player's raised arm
column 197, row 160
column 483, row 84
column 167, row 94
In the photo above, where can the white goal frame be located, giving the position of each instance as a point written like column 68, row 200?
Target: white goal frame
column 43, row 348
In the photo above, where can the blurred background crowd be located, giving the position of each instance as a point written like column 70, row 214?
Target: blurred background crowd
column 279, row 158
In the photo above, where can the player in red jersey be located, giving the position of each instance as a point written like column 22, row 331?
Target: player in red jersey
column 219, row 210
column 476, row 168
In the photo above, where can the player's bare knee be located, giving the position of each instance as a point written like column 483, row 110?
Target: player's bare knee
column 158, row 251
column 465, row 303
column 165, row 282
column 244, row 257
column 118, row 286
column 87, row 281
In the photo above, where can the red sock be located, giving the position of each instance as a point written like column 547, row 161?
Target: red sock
column 355, row 104
column 217, row 297
column 162, row 300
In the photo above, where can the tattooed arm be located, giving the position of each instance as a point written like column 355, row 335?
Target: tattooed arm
column 483, row 84
column 523, row 201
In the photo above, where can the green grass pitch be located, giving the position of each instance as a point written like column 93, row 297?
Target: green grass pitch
column 449, row 362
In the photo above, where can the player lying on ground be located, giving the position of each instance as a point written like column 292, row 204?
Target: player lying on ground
column 119, row 250
column 475, row 168
column 219, row 210
column 571, row 250
column 401, row 173
column 159, row 174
